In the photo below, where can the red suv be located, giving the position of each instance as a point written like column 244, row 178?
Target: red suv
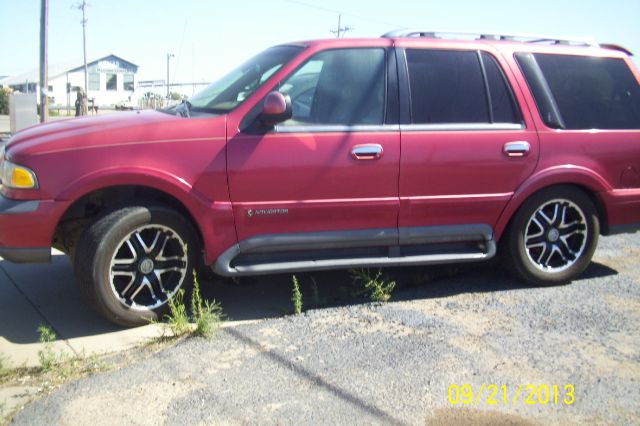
column 409, row 149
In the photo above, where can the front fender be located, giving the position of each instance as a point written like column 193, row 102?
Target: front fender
column 214, row 219
column 132, row 176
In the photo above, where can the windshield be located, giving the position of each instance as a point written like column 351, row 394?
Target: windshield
column 232, row 89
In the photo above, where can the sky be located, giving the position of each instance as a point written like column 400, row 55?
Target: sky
column 208, row 38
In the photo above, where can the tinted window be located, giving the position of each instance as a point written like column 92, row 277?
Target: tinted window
column 446, row 87
column 345, row 86
column 503, row 109
column 592, row 93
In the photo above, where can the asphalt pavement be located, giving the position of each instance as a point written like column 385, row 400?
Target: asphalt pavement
column 404, row 362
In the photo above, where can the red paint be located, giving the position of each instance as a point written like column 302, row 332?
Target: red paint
column 220, row 173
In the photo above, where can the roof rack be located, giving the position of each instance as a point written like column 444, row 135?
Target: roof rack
column 527, row 38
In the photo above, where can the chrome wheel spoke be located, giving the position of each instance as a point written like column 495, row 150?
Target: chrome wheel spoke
column 144, row 283
column 155, row 285
column 137, row 243
column 535, row 241
column 174, row 263
column 540, row 226
column 148, row 267
column 124, row 268
column 159, row 244
column 133, row 288
column 565, row 250
column 542, row 253
column 572, row 229
column 542, row 218
column 550, row 252
column 556, row 235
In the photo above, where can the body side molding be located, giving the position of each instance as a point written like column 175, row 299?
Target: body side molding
column 479, row 234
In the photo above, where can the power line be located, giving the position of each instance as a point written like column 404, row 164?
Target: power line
column 353, row 15
column 340, row 30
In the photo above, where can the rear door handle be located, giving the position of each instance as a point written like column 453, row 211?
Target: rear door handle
column 367, row 152
column 516, row 148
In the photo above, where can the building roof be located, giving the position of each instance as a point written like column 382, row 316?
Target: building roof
column 57, row 70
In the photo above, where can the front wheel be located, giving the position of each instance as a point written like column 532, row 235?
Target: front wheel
column 553, row 236
column 132, row 261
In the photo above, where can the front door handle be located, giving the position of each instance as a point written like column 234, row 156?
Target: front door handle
column 367, row 152
column 516, row 149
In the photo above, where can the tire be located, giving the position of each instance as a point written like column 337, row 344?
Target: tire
column 130, row 262
column 552, row 237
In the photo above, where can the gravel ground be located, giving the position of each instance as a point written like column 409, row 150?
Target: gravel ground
column 394, row 363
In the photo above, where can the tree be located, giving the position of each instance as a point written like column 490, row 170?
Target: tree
column 4, row 101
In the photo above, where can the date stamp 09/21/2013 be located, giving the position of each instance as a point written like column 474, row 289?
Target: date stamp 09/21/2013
column 529, row 394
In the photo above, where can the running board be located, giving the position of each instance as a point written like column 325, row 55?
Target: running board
column 350, row 249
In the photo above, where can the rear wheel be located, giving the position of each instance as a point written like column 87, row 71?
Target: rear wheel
column 132, row 261
column 553, row 236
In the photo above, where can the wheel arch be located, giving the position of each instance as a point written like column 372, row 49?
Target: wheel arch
column 98, row 199
column 577, row 177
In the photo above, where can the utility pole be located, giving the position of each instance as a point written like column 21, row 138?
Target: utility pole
column 169, row 56
column 341, row 30
column 83, row 7
column 84, row 44
column 44, row 77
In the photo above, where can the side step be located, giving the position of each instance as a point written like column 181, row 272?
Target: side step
column 301, row 252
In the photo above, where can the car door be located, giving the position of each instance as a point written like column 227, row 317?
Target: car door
column 334, row 165
column 466, row 146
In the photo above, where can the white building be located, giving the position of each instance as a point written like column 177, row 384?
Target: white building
column 111, row 81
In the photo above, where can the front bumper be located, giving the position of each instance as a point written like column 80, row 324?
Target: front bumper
column 26, row 255
column 27, row 227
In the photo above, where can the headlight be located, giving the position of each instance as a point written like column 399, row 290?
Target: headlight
column 16, row 176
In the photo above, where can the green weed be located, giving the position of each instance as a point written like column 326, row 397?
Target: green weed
column 47, row 355
column 296, row 296
column 207, row 316
column 378, row 288
column 178, row 319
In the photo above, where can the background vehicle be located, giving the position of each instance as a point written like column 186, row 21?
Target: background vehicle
column 409, row 149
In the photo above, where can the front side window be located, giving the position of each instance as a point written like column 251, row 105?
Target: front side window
column 338, row 87
column 446, row 87
column 232, row 89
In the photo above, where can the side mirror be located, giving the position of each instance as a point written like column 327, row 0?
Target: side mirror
column 276, row 109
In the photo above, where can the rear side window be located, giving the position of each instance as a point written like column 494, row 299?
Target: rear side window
column 503, row 105
column 590, row 93
column 446, row 87
column 452, row 86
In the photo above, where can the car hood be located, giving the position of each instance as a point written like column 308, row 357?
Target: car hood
column 129, row 127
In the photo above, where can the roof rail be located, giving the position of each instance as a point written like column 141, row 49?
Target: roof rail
column 527, row 38
column 617, row 47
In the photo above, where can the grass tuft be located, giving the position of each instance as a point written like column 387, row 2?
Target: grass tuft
column 178, row 319
column 207, row 316
column 379, row 288
column 296, row 296
column 47, row 355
